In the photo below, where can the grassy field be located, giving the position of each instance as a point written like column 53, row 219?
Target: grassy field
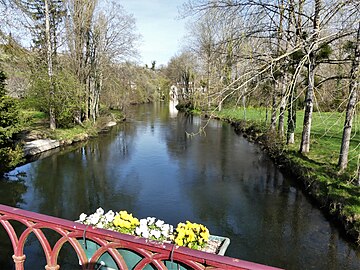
column 319, row 167
column 37, row 123
column 326, row 134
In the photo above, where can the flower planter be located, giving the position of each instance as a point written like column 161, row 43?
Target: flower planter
column 106, row 262
column 220, row 244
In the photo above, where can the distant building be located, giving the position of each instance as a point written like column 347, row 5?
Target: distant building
column 173, row 94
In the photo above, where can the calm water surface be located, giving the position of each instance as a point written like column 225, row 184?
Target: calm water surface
column 151, row 166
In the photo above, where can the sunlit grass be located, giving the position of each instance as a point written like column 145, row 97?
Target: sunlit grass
column 37, row 122
column 326, row 133
column 34, row 114
column 320, row 165
column 76, row 132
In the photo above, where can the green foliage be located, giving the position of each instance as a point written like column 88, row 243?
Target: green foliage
column 2, row 83
column 324, row 51
column 297, row 55
column 9, row 118
column 349, row 46
column 65, row 99
column 36, row 10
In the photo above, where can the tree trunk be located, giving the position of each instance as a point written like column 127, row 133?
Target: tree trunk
column 291, row 116
column 243, row 98
column 358, row 176
column 282, row 108
column 273, row 109
column 309, row 105
column 49, row 49
column 350, row 109
column 309, row 102
column 293, row 26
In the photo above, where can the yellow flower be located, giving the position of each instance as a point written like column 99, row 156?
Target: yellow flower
column 179, row 241
column 124, row 215
column 181, row 233
column 126, row 224
column 205, row 235
column 180, row 226
column 134, row 221
column 117, row 220
column 191, row 236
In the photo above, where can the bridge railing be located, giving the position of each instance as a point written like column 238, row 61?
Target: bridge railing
column 105, row 245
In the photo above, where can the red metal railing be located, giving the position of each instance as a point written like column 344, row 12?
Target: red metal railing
column 108, row 242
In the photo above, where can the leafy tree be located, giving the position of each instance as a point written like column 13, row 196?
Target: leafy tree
column 9, row 118
column 67, row 92
column 46, row 15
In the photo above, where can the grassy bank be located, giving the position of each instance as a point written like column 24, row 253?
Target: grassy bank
column 35, row 125
column 316, row 171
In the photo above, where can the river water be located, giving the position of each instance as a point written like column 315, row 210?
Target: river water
column 152, row 165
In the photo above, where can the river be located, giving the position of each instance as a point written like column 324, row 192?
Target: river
column 152, row 165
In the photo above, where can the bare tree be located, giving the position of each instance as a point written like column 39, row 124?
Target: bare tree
column 97, row 36
column 49, row 58
column 351, row 105
column 309, row 99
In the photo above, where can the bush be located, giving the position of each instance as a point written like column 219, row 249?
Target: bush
column 9, row 119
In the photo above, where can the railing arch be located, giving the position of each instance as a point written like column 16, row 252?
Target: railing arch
column 109, row 243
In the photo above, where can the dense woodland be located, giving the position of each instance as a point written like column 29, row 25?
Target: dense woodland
column 75, row 59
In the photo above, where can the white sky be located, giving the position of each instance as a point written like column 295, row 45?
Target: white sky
column 157, row 21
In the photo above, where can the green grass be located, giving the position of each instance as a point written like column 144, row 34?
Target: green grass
column 319, row 166
column 326, row 133
column 73, row 133
column 37, row 122
column 35, row 115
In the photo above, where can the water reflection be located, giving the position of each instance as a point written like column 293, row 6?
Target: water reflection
column 12, row 189
column 173, row 112
column 151, row 166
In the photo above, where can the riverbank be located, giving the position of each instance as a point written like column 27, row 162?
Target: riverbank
column 37, row 138
column 316, row 173
column 334, row 194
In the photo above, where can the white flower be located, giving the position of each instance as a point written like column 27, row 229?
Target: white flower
column 82, row 217
column 155, row 233
column 100, row 225
column 100, row 211
column 151, row 220
column 94, row 219
column 165, row 234
column 142, row 231
column 109, row 216
column 159, row 223
column 138, row 231
column 145, row 234
column 143, row 222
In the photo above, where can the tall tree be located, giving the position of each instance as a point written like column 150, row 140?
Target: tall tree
column 49, row 60
column 97, row 36
column 9, row 118
column 351, row 105
column 311, row 65
column 47, row 16
column 79, row 26
column 180, row 70
column 295, row 27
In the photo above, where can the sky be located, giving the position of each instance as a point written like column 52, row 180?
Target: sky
column 161, row 30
